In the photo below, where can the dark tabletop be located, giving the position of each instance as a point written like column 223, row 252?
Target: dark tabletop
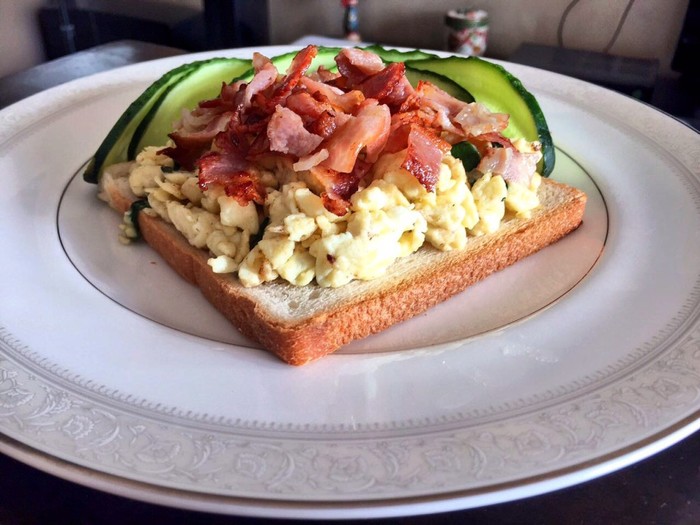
column 663, row 490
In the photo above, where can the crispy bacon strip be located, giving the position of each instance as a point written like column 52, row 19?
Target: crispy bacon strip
column 510, row 164
column 335, row 204
column 302, row 62
column 475, row 119
column 326, row 124
column 339, row 187
column 228, row 167
column 263, row 79
column 346, row 102
column 495, row 138
column 325, row 75
column 287, row 134
column 318, row 114
column 435, row 107
column 424, row 155
column 368, row 131
column 189, row 146
column 229, row 98
column 260, row 61
column 401, row 125
column 196, row 130
column 355, row 65
column 441, row 111
column 388, row 86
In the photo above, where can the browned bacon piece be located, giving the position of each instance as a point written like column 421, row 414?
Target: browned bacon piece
column 229, row 99
column 300, row 64
column 355, row 65
column 367, row 131
column 442, row 111
column 287, row 134
column 317, row 113
column 476, row 120
column 401, row 125
column 227, row 167
column 493, row 137
column 325, row 75
column 424, row 155
column 339, row 187
column 262, row 80
column 190, row 145
column 197, row 128
column 509, row 163
column 347, row 102
column 389, row 86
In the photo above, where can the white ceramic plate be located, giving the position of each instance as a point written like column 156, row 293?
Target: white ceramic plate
column 578, row 361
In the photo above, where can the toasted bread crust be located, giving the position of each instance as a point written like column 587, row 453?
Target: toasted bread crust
column 378, row 304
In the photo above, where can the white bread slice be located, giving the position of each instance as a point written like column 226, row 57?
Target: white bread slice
column 301, row 324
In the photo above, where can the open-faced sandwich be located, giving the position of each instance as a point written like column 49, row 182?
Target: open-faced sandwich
column 322, row 196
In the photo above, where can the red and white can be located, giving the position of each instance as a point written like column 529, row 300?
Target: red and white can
column 468, row 31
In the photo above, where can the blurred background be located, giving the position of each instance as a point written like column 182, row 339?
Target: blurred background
column 646, row 48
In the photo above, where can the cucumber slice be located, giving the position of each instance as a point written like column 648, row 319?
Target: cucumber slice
column 202, row 82
column 500, row 91
column 444, row 83
column 467, row 153
column 392, row 55
column 148, row 120
column 115, row 145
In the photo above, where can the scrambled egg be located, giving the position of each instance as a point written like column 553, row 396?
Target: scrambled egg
column 392, row 217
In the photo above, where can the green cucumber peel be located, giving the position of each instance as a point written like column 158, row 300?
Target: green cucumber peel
column 467, row 153
column 393, row 55
column 137, row 207
column 446, row 84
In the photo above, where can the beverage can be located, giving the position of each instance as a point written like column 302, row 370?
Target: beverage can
column 467, row 31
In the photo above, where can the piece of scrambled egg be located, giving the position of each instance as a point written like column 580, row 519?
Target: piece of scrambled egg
column 391, row 218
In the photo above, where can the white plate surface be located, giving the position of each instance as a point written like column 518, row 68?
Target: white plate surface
column 578, row 361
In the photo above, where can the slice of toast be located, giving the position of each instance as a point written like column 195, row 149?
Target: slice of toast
column 303, row 323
